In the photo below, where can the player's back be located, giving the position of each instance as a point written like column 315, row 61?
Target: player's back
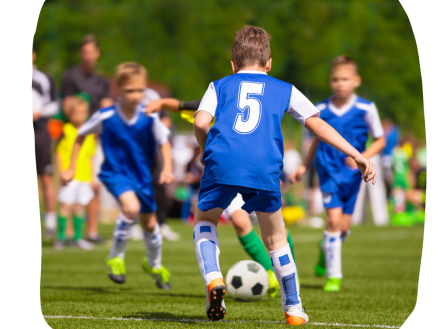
column 245, row 145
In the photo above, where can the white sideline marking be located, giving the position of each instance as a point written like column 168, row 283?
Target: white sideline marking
column 197, row 320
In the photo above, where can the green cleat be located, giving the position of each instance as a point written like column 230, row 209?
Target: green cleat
column 320, row 268
column 160, row 275
column 274, row 286
column 116, row 269
column 333, row 285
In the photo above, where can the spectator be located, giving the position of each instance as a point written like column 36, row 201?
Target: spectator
column 45, row 105
column 82, row 78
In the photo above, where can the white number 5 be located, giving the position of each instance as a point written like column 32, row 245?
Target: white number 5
column 249, row 104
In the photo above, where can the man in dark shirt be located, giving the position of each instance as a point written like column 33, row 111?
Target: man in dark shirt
column 83, row 79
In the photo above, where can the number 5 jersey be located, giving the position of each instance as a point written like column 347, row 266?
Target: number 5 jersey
column 245, row 145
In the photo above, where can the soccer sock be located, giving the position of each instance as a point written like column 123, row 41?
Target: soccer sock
column 122, row 229
column 50, row 220
column 254, row 246
column 153, row 241
column 286, row 273
column 291, row 243
column 78, row 223
column 345, row 236
column 62, row 226
column 332, row 246
column 207, row 251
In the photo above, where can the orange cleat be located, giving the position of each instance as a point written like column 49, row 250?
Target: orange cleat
column 215, row 300
column 296, row 317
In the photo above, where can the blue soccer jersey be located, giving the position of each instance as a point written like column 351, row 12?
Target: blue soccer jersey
column 354, row 122
column 128, row 146
column 245, row 145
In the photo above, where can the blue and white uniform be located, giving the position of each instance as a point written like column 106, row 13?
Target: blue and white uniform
column 244, row 149
column 340, row 184
column 128, row 146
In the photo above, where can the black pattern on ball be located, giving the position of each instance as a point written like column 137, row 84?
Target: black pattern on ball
column 236, row 282
column 257, row 289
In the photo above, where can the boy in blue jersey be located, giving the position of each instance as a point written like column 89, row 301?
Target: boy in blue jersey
column 353, row 118
column 243, row 153
column 129, row 140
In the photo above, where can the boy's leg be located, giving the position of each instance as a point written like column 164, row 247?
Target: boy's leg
column 78, row 224
column 122, row 228
column 207, row 253
column 291, row 243
column 49, row 197
column 153, row 241
column 64, row 214
column 345, row 226
column 275, row 239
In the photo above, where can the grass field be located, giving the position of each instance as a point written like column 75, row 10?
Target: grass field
column 380, row 265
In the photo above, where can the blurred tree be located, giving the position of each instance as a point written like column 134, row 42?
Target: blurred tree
column 186, row 44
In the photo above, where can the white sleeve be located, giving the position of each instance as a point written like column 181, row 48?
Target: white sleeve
column 93, row 125
column 37, row 102
column 150, row 95
column 372, row 119
column 300, row 107
column 50, row 109
column 160, row 131
column 209, row 101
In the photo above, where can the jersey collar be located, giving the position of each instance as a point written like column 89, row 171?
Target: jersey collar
column 253, row 72
column 131, row 121
column 344, row 109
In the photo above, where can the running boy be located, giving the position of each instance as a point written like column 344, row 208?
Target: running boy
column 243, row 153
column 353, row 118
column 78, row 193
column 129, row 141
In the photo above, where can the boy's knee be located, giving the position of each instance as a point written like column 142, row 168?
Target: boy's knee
column 131, row 211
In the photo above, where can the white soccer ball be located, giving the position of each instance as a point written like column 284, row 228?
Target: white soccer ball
column 247, row 281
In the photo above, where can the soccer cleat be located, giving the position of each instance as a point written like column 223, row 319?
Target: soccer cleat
column 82, row 244
column 296, row 317
column 59, row 245
column 320, row 268
column 333, row 285
column 116, row 269
column 215, row 303
column 274, row 286
column 160, row 275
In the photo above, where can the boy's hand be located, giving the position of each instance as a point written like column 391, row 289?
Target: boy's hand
column 166, row 177
column 154, row 107
column 298, row 174
column 350, row 163
column 67, row 176
column 366, row 167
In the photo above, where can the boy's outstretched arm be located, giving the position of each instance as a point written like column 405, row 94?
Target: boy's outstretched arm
column 171, row 105
column 166, row 176
column 325, row 133
column 376, row 147
column 201, row 127
column 69, row 174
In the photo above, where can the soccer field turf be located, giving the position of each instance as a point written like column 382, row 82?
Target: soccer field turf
column 380, row 265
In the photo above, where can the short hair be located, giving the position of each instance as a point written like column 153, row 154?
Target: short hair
column 75, row 101
column 250, row 47
column 343, row 60
column 89, row 38
column 127, row 70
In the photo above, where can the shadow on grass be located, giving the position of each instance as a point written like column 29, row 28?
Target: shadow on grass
column 168, row 317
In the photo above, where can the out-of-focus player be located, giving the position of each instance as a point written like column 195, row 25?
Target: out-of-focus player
column 243, row 153
column 129, row 140
column 78, row 193
column 353, row 118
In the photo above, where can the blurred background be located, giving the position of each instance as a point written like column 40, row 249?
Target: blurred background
column 187, row 44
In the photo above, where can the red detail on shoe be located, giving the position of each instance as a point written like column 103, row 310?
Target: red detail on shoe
column 294, row 320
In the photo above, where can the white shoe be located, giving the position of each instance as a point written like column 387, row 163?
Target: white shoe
column 168, row 233
column 215, row 304
column 296, row 316
column 84, row 244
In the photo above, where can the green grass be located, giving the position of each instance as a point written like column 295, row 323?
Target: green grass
column 380, row 265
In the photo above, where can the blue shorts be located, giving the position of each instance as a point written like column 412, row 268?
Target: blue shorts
column 213, row 195
column 119, row 184
column 344, row 198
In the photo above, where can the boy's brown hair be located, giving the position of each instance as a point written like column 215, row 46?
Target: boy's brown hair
column 89, row 38
column 343, row 60
column 127, row 70
column 251, row 47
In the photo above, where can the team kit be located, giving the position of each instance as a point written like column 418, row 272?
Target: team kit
column 237, row 125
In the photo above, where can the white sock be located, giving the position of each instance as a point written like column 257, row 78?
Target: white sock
column 122, row 230
column 286, row 272
column 207, row 251
column 153, row 242
column 332, row 247
column 50, row 220
column 345, row 236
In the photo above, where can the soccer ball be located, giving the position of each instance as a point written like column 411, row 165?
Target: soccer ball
column 247, row 281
